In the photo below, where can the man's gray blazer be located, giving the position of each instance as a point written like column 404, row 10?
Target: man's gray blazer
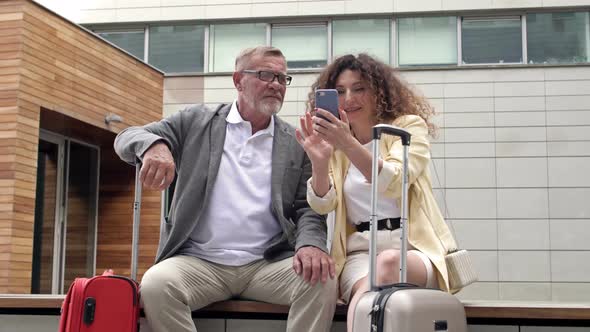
column 196, row 136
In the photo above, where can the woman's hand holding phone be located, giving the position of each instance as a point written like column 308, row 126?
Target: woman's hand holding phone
column 327, row 99
column 330, row 122
column 318, row 150
column 335, row 131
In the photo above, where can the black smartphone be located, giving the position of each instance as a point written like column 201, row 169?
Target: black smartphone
column 327, row 99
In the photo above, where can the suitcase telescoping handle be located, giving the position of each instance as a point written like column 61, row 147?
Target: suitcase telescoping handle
column 136, row 211
column 405, row 138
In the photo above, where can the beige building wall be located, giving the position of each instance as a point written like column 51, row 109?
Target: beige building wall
column 510, row 169
column 512, row 157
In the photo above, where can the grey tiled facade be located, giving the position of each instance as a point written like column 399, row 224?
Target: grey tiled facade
column 511, row 170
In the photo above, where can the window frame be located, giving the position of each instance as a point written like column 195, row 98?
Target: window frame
column 391, row 40
column 395, row 41
column 506, row 17
column 97, row 30
column 302, row 23
column 554, row 11
column 175, row 24
column 327, row 22
column 211, row 39
column 61, row 207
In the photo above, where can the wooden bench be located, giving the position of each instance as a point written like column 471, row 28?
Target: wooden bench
column 478, row 312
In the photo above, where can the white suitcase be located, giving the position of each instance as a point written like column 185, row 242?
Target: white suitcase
column 402, row 307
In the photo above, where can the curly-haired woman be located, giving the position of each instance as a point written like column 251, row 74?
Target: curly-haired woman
column 371, row 92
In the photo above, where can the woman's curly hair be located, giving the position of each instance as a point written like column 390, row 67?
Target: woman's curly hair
column 393, row 96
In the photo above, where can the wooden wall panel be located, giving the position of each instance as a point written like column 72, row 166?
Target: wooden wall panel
column 116, row 216
column 50, row 64
column 11, row 14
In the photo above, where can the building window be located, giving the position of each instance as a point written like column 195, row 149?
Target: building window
column 491, row 40
column 557, row 37
column 131, row 41
column 304, row 46
column 362, row 36
column 427, row 41
column 227, row 40
column 177, row 48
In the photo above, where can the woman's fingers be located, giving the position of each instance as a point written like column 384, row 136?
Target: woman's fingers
column 319, row 121
column 299, row 137
column 306, row 124
column 327, row 115
column 320, row 130
column 309, row 122
column 303, row 127
column 331, row 129
column 343, row 116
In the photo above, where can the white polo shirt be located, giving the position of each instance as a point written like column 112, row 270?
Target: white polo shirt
column 238, row 225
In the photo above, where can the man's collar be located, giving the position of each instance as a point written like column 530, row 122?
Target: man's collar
column 234, row 117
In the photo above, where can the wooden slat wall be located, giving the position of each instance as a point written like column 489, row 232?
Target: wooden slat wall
column 49, row 63
column 116, row 216
column 13, row 197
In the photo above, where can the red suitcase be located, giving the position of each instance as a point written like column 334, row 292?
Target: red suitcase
column 107, row 302
column 102, row 303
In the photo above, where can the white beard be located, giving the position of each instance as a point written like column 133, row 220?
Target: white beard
column 267, row 107
column 270, row 107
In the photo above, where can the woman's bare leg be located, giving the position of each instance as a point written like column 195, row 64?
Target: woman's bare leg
column 360, row 287
column 388, row 264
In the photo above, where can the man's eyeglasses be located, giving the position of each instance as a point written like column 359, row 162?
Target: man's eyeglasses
column 269, row 76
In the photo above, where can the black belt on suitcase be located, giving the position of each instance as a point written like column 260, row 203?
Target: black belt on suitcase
column 388, row 223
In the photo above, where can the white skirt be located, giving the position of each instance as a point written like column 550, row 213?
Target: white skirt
column 356, row 266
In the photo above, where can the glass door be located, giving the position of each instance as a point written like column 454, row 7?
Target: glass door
column 66, row 210
column 82, row 206
column 48, row 215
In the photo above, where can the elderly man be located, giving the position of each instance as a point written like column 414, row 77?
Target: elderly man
column 239, row 223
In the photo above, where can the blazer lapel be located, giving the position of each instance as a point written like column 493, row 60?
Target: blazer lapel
column 216, row 141
column 280, row 149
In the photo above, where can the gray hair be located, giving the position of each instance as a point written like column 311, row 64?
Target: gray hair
column 243, row 59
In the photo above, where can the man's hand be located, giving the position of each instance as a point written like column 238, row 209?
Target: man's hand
column 157, row 171
column 313, row 264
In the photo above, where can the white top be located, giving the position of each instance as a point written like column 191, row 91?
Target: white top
column 357, row 197
column 238, row 225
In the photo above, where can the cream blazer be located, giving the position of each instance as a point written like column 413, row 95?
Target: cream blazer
column 428, row 231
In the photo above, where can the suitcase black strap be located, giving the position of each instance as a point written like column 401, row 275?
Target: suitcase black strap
column 377, row 312
column 378, row 309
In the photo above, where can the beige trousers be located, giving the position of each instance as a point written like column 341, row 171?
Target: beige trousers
column 173, row 288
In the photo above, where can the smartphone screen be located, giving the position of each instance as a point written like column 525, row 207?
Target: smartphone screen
column 327, row 99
